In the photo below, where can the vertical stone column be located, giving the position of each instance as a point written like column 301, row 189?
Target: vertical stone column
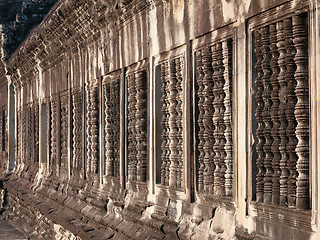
column 64, row 131
column 208, row 174
column 132, row 144
column 141, row 125
column 76, row 163
column 227, row 74
column 109, row 163
column 53, row 133
column 275, row 115
column 282, row 115
column 200, row 121
column 302, row 110
column 258, row 115
column 291, row 102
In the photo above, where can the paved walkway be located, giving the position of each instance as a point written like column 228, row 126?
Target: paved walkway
column 8, row 232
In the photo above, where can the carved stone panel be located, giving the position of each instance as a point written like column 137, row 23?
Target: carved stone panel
column 214, row 136
column 282, row 112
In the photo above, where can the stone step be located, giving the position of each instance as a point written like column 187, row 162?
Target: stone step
column 8, row 232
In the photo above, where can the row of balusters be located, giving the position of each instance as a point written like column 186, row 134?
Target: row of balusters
column 172, row 73
column 282, row 112
column 28, row 133
column 112, row 128
column 137, row 125
column 4, row 135
column 214, row 137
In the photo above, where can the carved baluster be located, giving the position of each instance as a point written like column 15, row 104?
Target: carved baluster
column 179, row 76
column 265, row 42
column 77, row 129
column 141, row 125
column 258, row 115
column 53, row 147
column 216, row 122
column 282, row 115
column 164, row 125
column 109, row 162
column 172, row 97
column 200, row 120
column 132, row 155
column 30, row 133
column 64, row 131
column 208, row 120
column 36, row 132
column 115, row 85
column 274, row 115
column 18, row 148
column 88, row 128
column 291, row 102
column 220, row 117
column 94, row 127
column 302, row 110
column 227, row 62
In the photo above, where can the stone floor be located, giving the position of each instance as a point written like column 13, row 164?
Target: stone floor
column 8, row 232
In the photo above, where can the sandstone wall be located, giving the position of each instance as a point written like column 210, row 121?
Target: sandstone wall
column 167, row 119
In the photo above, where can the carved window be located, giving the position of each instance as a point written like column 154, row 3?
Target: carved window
column 36, row 131
column 137, row 125
column 92, row 124
column 172, row 74
column 281, row 112
column 77, row 103
column 19, row 134
column 111, row 96
column 53, row 130
column 64, row 131
column 214, row 118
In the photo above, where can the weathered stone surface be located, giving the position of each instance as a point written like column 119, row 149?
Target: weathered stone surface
column 160, row 119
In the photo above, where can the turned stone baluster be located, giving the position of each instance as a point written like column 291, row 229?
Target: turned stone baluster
column 141, row 125
column 109, row 167
column 302, row 110
column 291, row 102
column 222, row 126
column 173, row 134
column 36, row 132
column 115, row 96
column 282, row 115
column 179, row 76
column 216, row 123
column 275, row 115
column 132, row 155
column 64, row 131
column 163, row 124
column 88, row 129
column 94, row 127
column 227, row 63
column 19, row 134
column 258, row 115
column 76, row 129
column 208, row 120
column 265, row 42
column 30, row 132
column 200, row 120
column 53, row 142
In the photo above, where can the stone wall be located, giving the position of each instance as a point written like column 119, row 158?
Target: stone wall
column 165, row 120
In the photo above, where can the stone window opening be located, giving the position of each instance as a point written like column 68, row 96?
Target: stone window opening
column 281, row 112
